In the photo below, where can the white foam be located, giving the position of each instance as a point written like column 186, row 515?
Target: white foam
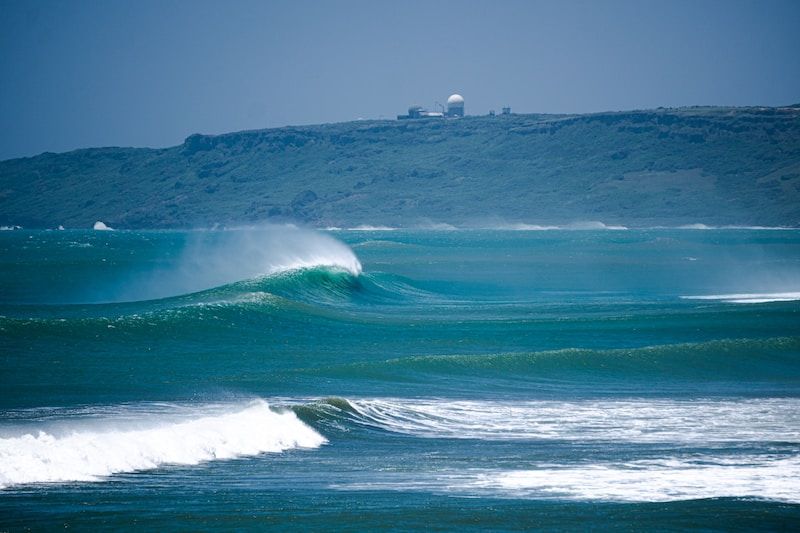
column 101, row 226
column 769, row 477
column 770, row 228
column 524, row 227
column 644, row 421
column 573, row 226
column 695, row 226
column 365, row 227
column 349, row 264
column 435, row 226
column 654, row 480
column 700, row 226
column 748, row 298
column 81, row 448
column 594, row 225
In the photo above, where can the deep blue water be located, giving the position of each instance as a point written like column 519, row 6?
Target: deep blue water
column 356, row 380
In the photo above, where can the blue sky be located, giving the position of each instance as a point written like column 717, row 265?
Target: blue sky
column 149, row 73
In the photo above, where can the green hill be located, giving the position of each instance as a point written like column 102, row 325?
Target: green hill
column 665, row 166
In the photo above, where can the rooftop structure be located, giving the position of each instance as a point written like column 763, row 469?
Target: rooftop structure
column 455, row 108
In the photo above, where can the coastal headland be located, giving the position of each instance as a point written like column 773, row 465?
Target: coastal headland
column 698, row 165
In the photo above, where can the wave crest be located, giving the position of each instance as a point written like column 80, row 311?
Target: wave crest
column 218, row 258
column 92, row 449
column 771, row 360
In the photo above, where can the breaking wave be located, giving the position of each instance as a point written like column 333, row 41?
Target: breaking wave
column 631, row 420
column 214, row 259
column 91, row 446
column 715, row 429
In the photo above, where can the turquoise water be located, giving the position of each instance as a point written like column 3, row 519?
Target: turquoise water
column 353, row 380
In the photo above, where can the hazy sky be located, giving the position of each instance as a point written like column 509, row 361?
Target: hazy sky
column 148, row 73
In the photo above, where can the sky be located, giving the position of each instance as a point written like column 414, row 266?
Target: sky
column 144, row 73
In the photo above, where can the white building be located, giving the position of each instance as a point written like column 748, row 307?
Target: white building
column 455, row 106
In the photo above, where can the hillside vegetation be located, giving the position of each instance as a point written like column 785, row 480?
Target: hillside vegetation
column 639, row 168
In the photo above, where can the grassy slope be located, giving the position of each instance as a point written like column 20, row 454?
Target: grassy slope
column 710, row 165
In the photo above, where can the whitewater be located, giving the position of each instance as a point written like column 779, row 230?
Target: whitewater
column 277, row 377
column 91, row 448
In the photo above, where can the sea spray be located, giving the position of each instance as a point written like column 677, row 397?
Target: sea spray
column 214, row 258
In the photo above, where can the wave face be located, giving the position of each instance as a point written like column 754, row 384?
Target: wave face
column 729, row 362
column 212, row 259
column 100, row 444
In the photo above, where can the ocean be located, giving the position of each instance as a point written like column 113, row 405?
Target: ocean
column 280, row 378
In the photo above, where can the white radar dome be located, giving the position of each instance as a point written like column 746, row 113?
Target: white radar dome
column 455, row 99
